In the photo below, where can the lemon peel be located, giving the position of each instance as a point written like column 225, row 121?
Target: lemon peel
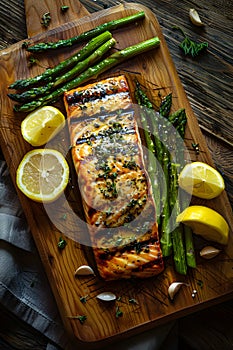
column 206, row 222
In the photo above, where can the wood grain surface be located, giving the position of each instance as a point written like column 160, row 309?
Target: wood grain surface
column 217, row 150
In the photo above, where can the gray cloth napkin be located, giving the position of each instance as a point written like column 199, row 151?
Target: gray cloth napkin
column 24, row 288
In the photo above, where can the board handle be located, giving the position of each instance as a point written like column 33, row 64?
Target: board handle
column 34, row 10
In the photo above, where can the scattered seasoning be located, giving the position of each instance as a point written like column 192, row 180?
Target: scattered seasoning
column 63, row 217
column 83, row 299
column 62, row 243
column 196, row 148
column 133, row 301
column 46, row 19
column 119, row 312
column 190, row 47
column 200, row 283
column 32, row 61
column 81, row 318
column 64, row 8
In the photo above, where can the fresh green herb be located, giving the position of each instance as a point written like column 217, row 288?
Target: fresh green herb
column 119, row 312
column 32, row 61
column 81, row 318
column 64, row 8
column 46, row 19
column 83, row 299
column 191, row 47
column 62, row 243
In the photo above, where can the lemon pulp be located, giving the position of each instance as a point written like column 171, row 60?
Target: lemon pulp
column 42, row 175
column 205, row 222
column 41, row 125
column 201, row 180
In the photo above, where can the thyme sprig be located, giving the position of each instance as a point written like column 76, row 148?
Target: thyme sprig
column 190, row 47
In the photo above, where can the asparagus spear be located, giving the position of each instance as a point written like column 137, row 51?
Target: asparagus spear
column 184, row 200
column 92, row 73
column 75, row 71
column 50, row 73
column 115, row 24
column 143, row 100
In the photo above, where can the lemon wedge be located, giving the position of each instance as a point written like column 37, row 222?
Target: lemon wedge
column 41, row 125
column 42, row 175
column 205, row 222
column 201, row 180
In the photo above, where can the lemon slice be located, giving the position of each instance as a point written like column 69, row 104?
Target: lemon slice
column 201, row 180
column 42, row 175
column 205, row 222
column 41, row 125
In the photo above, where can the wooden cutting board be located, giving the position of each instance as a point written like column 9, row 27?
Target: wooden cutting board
column 213, row 280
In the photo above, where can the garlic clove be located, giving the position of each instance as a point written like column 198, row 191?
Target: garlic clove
column 209, row 252
column 106, row 296
column 195, row 18
column 174, row 288
column 84, row 270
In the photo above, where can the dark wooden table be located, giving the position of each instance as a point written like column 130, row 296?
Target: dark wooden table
column 208, row 83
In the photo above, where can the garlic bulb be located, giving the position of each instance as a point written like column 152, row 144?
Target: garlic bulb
column 106, row 296
column 174, row 288
column 84, row 270
column 209, row 252
column 194, row 18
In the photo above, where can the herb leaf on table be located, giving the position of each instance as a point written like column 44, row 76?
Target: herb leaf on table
column 190, row 47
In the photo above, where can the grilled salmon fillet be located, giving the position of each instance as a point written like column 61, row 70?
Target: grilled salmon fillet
column 114, row 184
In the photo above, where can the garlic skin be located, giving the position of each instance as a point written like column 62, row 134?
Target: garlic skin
column 84, row 270
column 106, row 296
column 195, row 18
column 174, row 288
column 209, row 252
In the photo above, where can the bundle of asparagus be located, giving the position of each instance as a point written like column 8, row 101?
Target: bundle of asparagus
column 86, row 64
column 176, row 239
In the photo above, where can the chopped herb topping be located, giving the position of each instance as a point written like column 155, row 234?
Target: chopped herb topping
column 81, row 318
column 46, row 19
column 64, row 8
column 62, row 243
column 119, row 312
column 133, row 301
column 83, row 299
